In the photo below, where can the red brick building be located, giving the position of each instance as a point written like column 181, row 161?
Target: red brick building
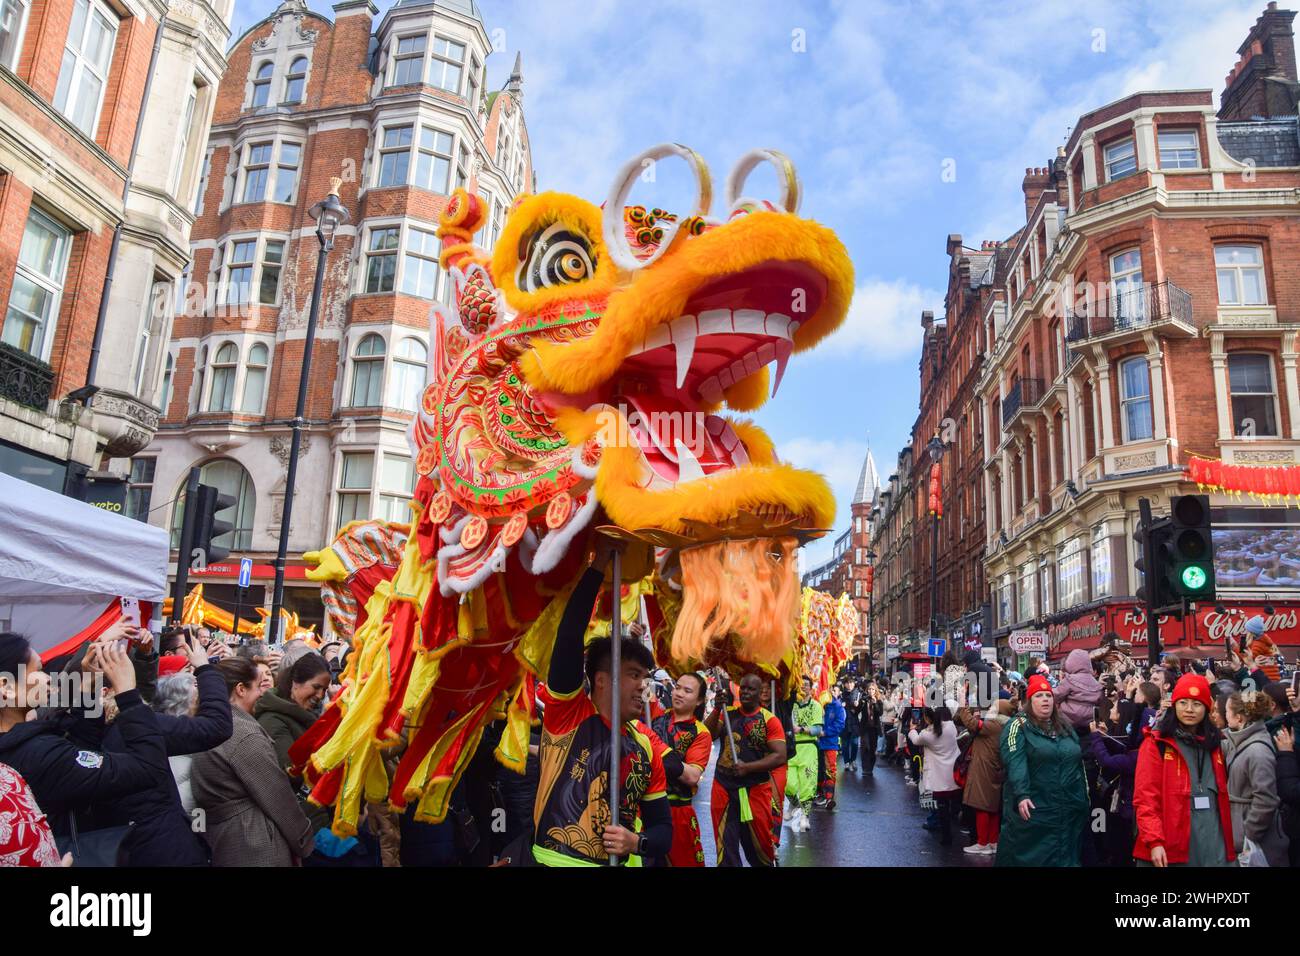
column 1149, row 311
column 397, row 108
column 98, row 169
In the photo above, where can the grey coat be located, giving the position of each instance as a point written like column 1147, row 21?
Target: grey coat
column 1252, row 791
column 253, row 816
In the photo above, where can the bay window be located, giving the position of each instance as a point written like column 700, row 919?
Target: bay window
column 1028, row 605
column 239, row 271
column 257, row 170
column 13, row 23
column 225, row 366
column 394, row 156
column 1101, row 571
column 408, row 61
column 396, row 486
column 254, row 395
column 1179, row 149
column 1072, row 586
column 433, row 161
column 410, row 369
column 381, row 259
column 286, row 172
column 368, row 372
column 420, row 271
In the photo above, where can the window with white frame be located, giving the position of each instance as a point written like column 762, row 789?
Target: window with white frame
column 255, row 371
column 295, row 84
column 225, row 368
column 1047, row 585
column 396, row 486
column 1179, row 149
column 169, row 373
column 1135, row 399
column 239, row 271
column 421, row 274
column 1127, row 294
column 1240, row 270
column 356, row 474
column 394, row 156
column 433, row 160
column 368, row 372
column 87, row 58
column 446, row 63
column 37, row 289
column 381, row 259
column 1121, row 159
column 1101, row 573
column 1028, row 602
column 13, row 23
column 1072, row 586
column 257, row 170
column 286, row 172
column 408, row 61
column 187, row 119
column 410, row 369
column 262, row 85
column 1006, row 608
column 1254, row 394
column 268, row 287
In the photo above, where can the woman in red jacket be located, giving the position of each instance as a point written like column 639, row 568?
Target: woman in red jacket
column 1180, row 792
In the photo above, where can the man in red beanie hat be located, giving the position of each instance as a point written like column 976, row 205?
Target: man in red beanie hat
column 170, row 664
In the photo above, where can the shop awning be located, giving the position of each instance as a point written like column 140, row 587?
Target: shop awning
column 63, row 561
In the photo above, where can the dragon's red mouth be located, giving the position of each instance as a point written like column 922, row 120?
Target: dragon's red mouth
column 730, row 328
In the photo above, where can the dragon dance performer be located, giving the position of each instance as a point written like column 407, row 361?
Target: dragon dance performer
column 572, row 814
column 801, row 786
column 683, row 731
column 759, row 744
column 783, row 710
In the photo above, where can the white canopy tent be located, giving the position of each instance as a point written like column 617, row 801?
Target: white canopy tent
column 63, row 561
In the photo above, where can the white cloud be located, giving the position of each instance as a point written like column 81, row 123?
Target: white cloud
column 884, row 320
column 839, row 462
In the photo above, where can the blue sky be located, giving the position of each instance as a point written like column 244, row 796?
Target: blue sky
column 871, row 100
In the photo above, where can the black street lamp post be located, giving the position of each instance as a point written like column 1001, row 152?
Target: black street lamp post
column 936, row 448
column 329, row 215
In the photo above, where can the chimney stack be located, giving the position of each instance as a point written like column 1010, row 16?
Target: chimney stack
column 1263, row 81
column 1037, row 179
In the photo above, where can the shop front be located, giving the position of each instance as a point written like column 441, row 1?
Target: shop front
column 1208, row 629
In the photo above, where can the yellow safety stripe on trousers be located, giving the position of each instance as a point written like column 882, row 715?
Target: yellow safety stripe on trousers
column 554, row 858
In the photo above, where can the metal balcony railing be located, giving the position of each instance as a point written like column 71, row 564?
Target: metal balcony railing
column 1135, row 308
column 24, row 378
column 1026, row 393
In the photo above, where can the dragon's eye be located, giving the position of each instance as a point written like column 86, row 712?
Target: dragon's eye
column 558, row 255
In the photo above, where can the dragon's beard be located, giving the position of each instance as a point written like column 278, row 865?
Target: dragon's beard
column 744, row 591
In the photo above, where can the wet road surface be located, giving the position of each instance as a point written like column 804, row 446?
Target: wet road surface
column 877, row 822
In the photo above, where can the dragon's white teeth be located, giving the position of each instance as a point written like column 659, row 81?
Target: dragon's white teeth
column 784, row 348
column 766, row 353
column 778, row 325
column 749, row 321
column 716, row 425
column 688, row 466
column 657, row 339
column 710, row 390
column 715, row 321
column 684, row 331
column 739, row 456
column 725, row 378
column 752, row 364
column 728, row 437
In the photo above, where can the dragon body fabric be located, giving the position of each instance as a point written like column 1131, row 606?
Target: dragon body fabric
column 578, row 383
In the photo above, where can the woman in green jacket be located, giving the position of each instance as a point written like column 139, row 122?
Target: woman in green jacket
column 291, row 707
column 1045, row 797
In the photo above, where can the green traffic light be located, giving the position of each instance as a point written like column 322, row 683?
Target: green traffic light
column 1194, row 577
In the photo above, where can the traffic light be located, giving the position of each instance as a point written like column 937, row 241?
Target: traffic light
column 1189, row 567
column 208, row 503
column 1153, row 563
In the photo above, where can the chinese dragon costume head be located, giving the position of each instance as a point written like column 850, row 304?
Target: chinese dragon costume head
column 579, row 384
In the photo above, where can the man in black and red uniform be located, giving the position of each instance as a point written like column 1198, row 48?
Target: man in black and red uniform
column 747, row 779
column 574, row 826
column 683, row 731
